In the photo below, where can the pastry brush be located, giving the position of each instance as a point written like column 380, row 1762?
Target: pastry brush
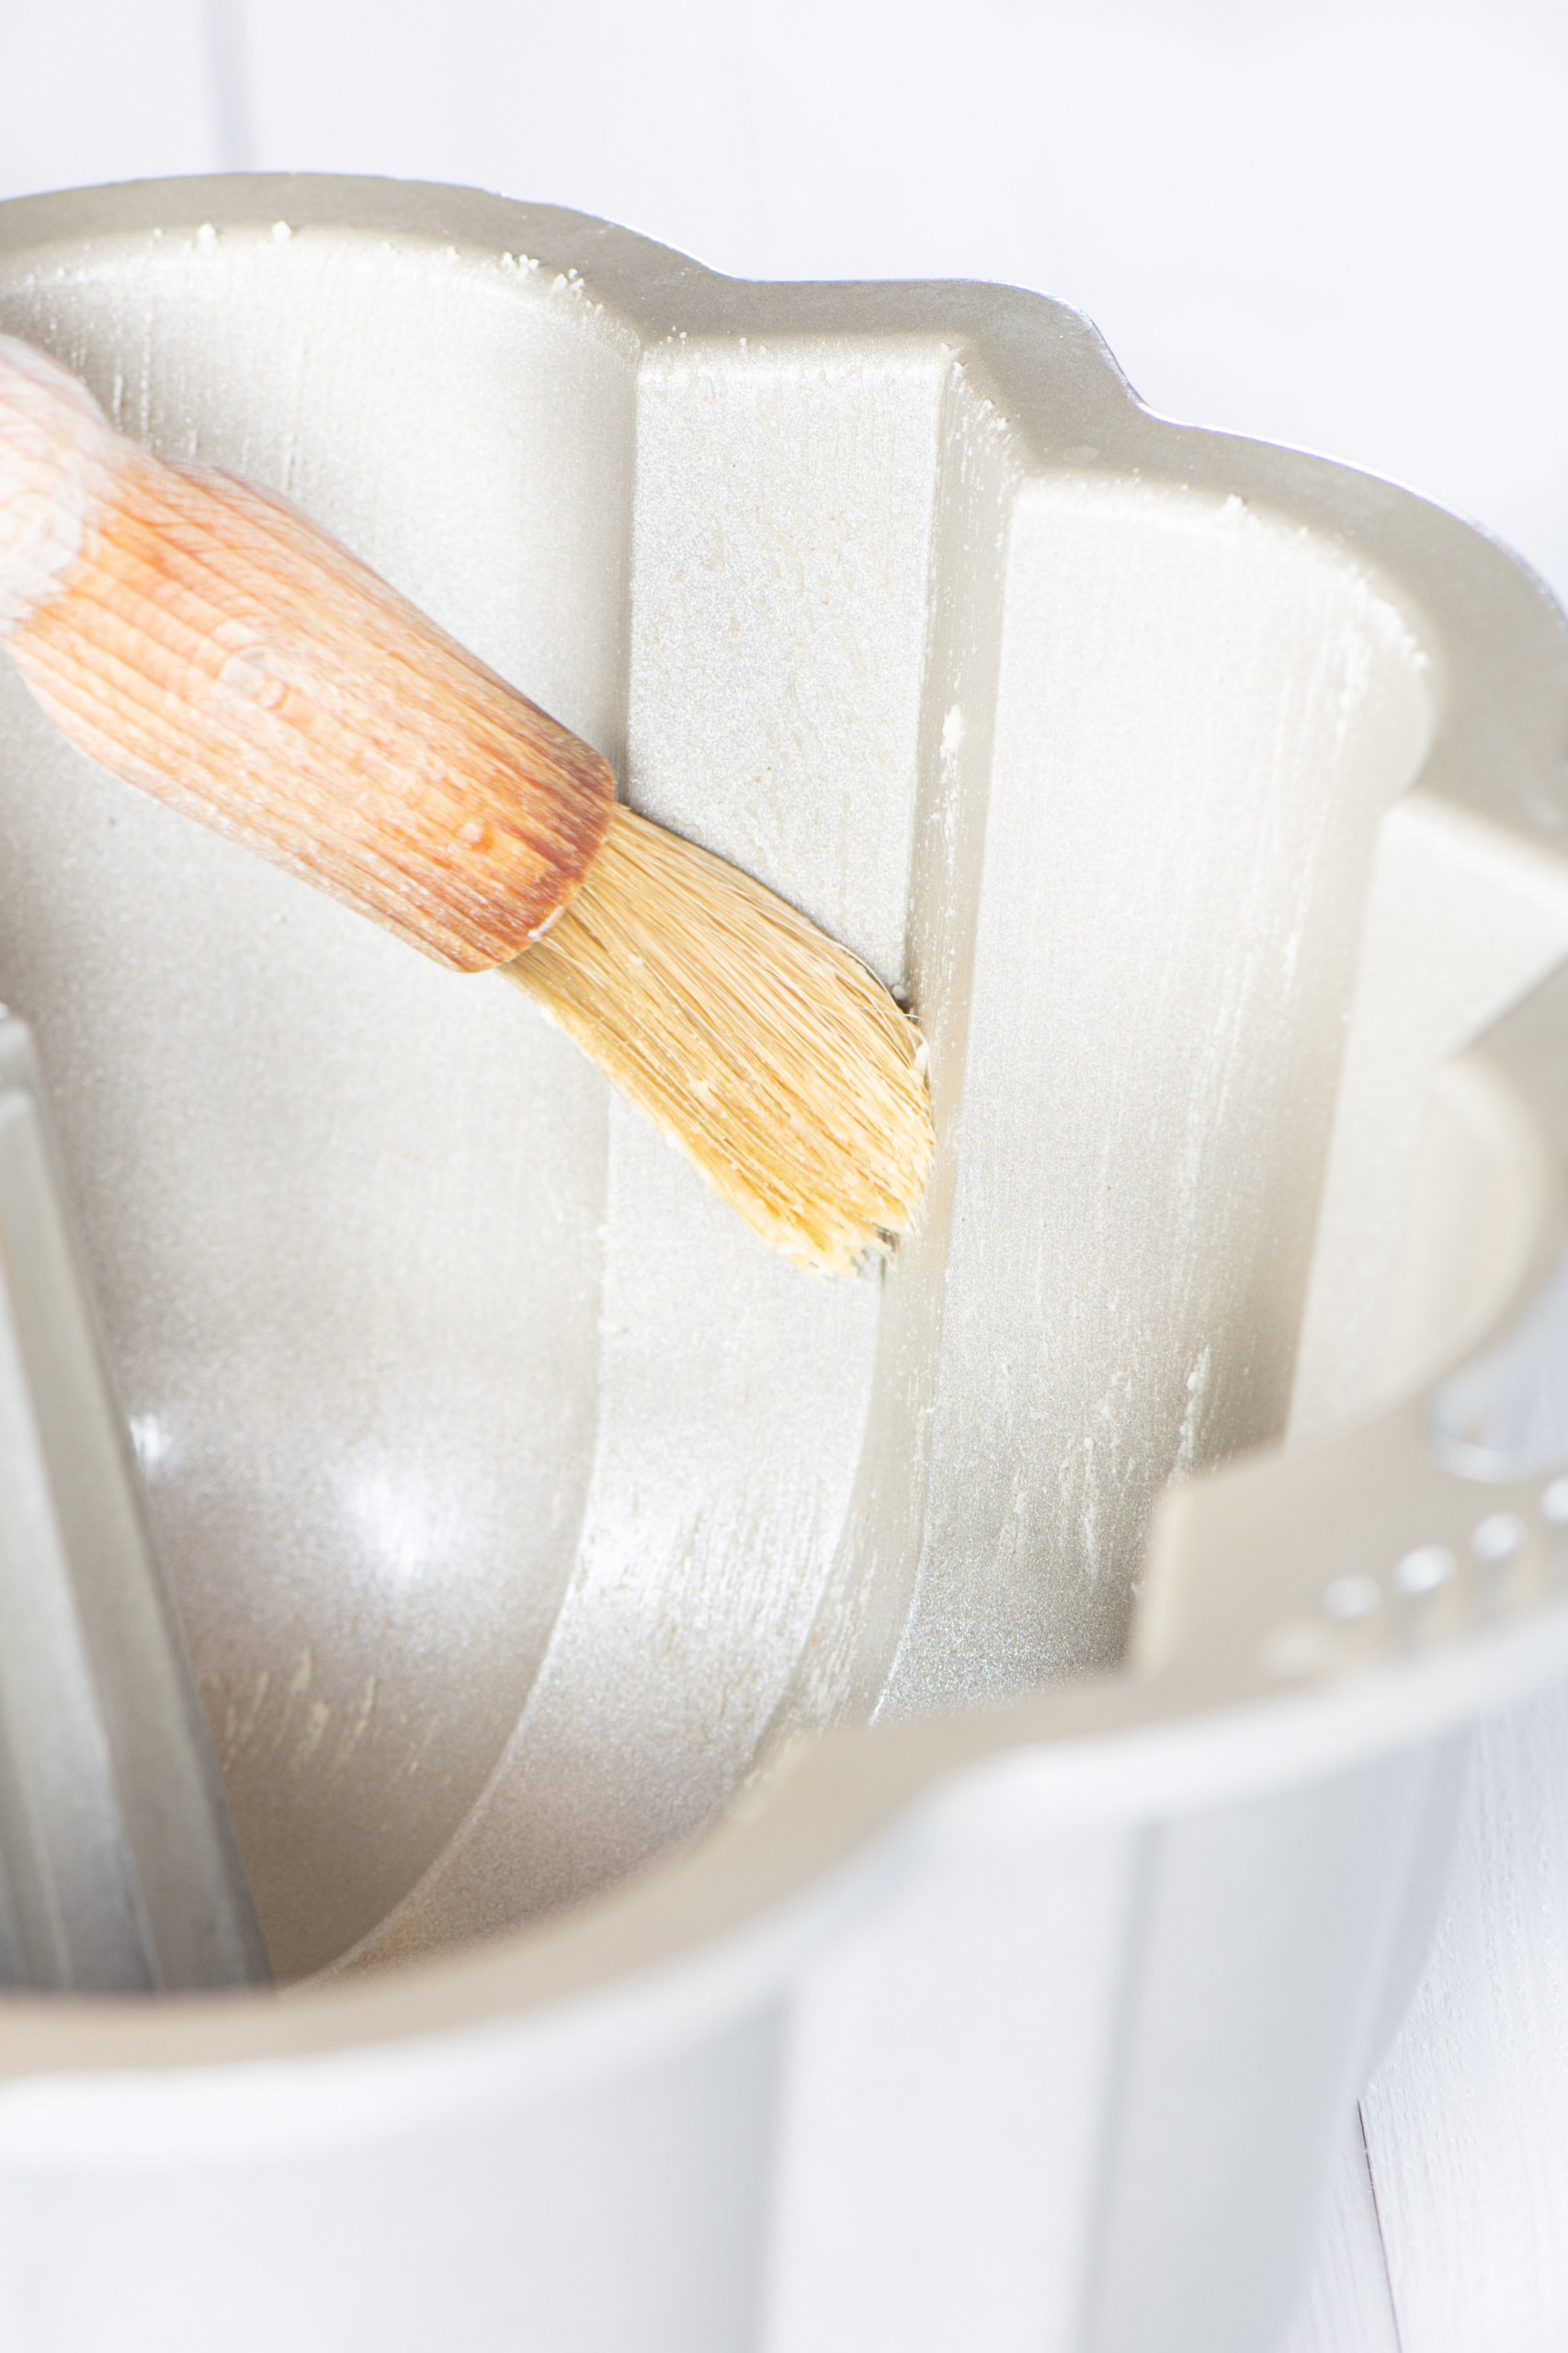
column 206, row 641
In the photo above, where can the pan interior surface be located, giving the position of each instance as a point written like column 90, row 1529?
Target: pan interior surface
column 515, row 1498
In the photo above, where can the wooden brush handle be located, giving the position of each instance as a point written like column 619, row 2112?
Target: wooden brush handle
column 206, row 643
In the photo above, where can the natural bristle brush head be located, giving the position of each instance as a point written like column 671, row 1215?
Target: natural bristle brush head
column 768, row 1053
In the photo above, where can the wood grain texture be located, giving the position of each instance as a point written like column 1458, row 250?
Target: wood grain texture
column 212, row 647
column 1349, row 2307
column 1467, row 2120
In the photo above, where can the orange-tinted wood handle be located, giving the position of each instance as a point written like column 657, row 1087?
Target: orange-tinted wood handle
column 207, row 642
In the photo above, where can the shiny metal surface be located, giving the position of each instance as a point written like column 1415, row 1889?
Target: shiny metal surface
column 118, row 1867
column 527, row 1517
column 473, row 1428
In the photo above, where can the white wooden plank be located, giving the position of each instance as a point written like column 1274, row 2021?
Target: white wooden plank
column 1348, row 2308
column 92, row 91
column 1466, row 2122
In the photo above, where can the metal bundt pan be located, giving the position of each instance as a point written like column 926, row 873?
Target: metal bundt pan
column 805, row 1815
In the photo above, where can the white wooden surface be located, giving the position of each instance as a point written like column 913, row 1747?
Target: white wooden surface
column 1344, row 226
column 1467, row 2118
column 1349, row 2303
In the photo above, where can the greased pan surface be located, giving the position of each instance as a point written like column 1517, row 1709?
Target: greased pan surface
column 520, row 1505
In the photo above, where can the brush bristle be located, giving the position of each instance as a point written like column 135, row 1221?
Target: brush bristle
column 772, row 1058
